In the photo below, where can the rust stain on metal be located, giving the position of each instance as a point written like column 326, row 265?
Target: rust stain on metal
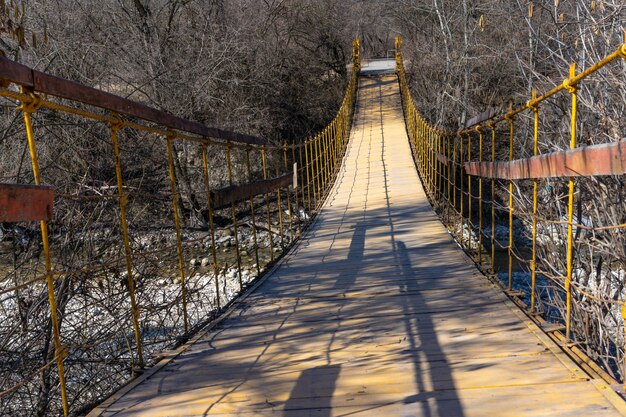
column 486, row 115
column 604, row 159
column 225, row 196
column 25, row 203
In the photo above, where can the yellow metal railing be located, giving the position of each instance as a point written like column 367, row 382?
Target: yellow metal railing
column 97, row 293
column 454, row 173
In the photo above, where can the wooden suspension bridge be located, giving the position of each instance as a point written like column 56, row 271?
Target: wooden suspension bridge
column 374, row 311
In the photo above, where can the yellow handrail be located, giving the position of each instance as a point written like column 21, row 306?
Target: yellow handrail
column 444, row 168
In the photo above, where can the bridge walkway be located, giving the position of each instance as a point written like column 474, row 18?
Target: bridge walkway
column 376, row 312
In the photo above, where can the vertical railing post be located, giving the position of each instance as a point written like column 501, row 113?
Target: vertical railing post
column 317, row 169
column 308, row 179
column 469, row 196
column 123, row 201
column 267, row 205
column 287, row 195
column 570, row 209
column 233, row 213
column 296, row 173
column 449, row 160
column 480, row 197
column 216, row 270
column 454, row 186
column 279, row 203
column 493, row 200
column 252, row 214
column 179, row 240
column 60, row 351
column 509, row 117
column 462, row 191
column 533, row 261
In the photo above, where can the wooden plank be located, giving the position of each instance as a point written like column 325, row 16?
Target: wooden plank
column 59, row 87
column 25, row 203
column 604, row 159
column 233, row 194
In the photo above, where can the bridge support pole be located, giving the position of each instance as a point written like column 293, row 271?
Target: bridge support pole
column 267, row 205
column 179, row 240
column 570, row 209
column 123, row 201
column 510, row 248
column 480, row 198
column 216, row 270
column 533, row 262
column 469, row 196
column 493, row 201
column 252, row 214
column 60, row 351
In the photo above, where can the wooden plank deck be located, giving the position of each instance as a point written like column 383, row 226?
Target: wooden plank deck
column 376, row 312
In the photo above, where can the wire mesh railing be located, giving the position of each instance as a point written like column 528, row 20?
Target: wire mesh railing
column 536, row 198
column 159, row 223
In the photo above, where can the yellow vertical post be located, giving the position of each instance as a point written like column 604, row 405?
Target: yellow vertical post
column 480, row 197
column 533, row 262
column 462, row 192
column 570, row 210
column 252, row 214
column 469, row 195
column 301, row 184
column 334, row 141
column 123, row 201
column 327, row 157
column 59, row 349
column 267, row 205
column 289, row 209
column 510, row 248
column 234, row 215
column 308, row 180
column 207, row 185
column 493, row 201
column 448, row 154
column 436, row 165
column 317, row 169
column 296, row 191
column 280, row 205
column 422, row 150
column 179, row 240
column 430, row 160
column 454, row 187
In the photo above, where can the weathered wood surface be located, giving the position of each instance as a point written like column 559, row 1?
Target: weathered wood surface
column 376, row 312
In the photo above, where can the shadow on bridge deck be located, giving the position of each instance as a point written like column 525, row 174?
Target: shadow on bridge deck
column 376, row 312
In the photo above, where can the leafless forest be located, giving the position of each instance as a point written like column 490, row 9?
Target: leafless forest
column 276, row 69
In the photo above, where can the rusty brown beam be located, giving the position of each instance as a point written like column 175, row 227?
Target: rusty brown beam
column 486, row 115
column 604, row 159
column 233, row 194
column 12, row 72
column 25, row 203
